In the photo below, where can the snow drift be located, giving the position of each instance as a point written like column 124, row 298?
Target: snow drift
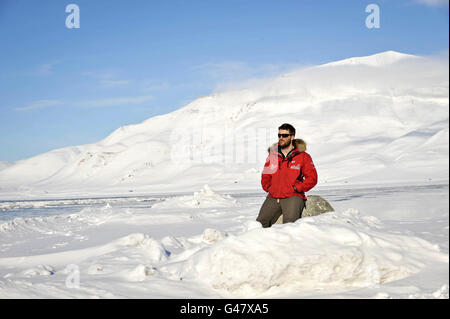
column 331, row 251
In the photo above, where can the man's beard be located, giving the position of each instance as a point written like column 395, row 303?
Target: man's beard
column 284, row 144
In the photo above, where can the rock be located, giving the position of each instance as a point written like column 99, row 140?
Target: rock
column 315, row 205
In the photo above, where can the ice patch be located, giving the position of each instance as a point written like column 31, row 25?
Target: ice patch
column 23, row 204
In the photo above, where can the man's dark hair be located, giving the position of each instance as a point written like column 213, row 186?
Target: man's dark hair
column 287, row 127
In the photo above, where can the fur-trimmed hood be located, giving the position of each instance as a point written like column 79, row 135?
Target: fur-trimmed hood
column 298, row 143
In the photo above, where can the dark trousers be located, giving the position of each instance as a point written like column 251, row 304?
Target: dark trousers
column 272, row 208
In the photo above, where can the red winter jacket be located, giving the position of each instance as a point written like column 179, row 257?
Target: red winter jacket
column 288, row 176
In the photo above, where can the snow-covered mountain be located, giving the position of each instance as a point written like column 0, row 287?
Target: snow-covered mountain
column 375, row 119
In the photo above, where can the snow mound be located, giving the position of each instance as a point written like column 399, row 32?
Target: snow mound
column 333, row 250
column 206, row 197
column 140, row 273
column 211, row 236
column 155, row 251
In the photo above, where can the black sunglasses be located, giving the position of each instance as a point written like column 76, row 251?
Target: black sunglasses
column 284, row 135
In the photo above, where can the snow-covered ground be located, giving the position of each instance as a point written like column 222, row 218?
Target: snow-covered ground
column 381, row 242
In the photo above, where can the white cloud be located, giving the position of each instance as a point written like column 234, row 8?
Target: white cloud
column 108, row 78
column 45, row 68
column 113, row 83
column 101, row 74
column 229, row 75
column 39, row 104
column 151, row 85
column 434, row 3
column 116, row 101
column 106, row 102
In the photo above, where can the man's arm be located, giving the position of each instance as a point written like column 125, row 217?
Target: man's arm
column 266, row 176
column 310, row 174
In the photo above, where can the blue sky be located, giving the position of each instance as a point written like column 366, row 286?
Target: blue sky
column 131, row 60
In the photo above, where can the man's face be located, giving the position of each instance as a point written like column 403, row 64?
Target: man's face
column 284, row 141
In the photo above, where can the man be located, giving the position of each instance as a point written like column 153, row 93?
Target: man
column 288, row 173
